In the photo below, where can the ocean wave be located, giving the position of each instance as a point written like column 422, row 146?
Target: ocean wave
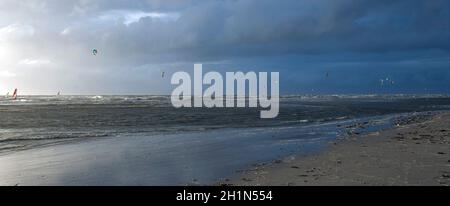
column 30, row 137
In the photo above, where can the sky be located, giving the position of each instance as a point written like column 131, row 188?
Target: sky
column 46, row 46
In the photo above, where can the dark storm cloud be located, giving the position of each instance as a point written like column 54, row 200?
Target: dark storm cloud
column 249, row 28
column 137, row 39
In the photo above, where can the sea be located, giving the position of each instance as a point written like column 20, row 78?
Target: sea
column 34, row 121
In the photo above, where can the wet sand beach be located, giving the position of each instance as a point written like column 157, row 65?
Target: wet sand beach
column 416, row 152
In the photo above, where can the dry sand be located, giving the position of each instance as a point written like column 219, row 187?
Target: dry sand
column 411, row 154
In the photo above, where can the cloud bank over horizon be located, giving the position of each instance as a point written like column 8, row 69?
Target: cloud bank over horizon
column 46, row 46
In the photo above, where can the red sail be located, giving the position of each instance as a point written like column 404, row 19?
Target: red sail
column 15, row 94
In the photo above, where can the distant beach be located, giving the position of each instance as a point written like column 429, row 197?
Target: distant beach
column 415, row 153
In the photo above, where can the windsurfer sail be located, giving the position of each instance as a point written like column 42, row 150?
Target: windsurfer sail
column 14, row 96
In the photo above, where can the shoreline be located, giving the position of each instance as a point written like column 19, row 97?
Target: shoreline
column 179, row 159
column 412, row 153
